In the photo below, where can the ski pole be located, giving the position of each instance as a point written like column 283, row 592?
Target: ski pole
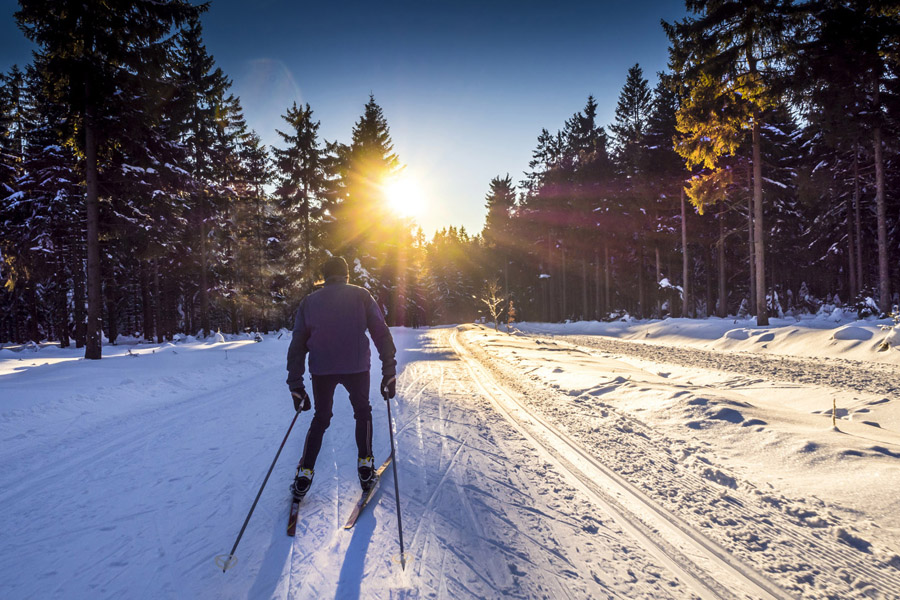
column 226, row 561
column 396, row 481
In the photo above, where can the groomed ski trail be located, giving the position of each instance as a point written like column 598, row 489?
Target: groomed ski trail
column 705, row 568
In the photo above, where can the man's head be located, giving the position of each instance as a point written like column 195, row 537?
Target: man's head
column 335, row 266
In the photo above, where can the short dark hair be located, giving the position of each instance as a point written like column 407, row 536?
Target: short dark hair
column 335, row 266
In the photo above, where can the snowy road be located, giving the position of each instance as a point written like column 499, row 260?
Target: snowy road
column 527, row 468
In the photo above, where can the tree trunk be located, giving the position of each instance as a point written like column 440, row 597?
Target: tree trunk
column 597, row 311
column 722, row 308
column 78, row 292
column 851, row 247
column 548, row 289
column 204, row 284
column 658, row 279
column 686, row 294
column 607, row 308
column 762, row 315
column 584, row 290
column 884, row 282
column 111, row 312
column 708, row 263
column 307, row 268
column 158, row 303
column 260, row 294
column 93, row 349
column 33, row 327
column 565, row 303
column 62, row 302
column 147, row 309
column 860, row 280
column 751, row 246
column 640, row 281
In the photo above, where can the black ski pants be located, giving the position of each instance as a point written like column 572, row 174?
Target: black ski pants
column 323, row 386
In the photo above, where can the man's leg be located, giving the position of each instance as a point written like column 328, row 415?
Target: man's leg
column 323, row 400
column 357, row 385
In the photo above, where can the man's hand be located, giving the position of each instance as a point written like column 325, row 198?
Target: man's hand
column 389, row 386
column 300, row 398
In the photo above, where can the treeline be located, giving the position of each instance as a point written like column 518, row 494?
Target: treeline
column 758, row 176
column 134, row 200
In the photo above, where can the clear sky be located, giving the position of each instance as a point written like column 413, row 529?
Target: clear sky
column 466, row 86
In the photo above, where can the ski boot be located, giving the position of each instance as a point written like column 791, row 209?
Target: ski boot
column 365, row 468
column 302, row 481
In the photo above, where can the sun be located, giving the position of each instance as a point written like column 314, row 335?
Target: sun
column 404, row 196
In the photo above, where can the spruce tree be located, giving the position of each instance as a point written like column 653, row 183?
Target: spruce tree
column 630, row 128
column 842, row 58
column 497, row 234
column 201, row 94
column 363, row 225
column 736, row 45
column 94, row 53
column 301, row 179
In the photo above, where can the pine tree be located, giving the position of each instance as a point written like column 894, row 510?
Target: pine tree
column 302, row 182
column 735, row 45
column 630, row 128
column 259, row 226
column 95, row 52
column 664, row 171
column 363, row 225
column 497, row 234
column 199, row 100
column 842, row 61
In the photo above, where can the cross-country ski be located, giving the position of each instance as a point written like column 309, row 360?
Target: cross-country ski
column 366, row 496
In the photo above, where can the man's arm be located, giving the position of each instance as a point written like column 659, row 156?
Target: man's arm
column 381, row 336
column 296, row 356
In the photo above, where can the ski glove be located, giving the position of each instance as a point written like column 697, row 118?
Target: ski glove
column 389, row 386
column 300, row 398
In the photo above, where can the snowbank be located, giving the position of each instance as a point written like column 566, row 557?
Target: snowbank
column 812, row 336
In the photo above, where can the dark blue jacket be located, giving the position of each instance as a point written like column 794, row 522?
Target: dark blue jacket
column 330, row 325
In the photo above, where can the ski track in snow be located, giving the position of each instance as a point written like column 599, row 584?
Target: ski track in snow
column 510, row 487
column 789, row 539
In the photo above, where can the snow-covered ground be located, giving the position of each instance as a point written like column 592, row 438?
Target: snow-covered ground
column 673, row 459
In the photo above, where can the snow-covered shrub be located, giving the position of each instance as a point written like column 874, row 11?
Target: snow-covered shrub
column 806, row 302
column 865, row 304
column 744, row 309
column 773, row 304
column 615, row 316
column 893, row 337
column 670, row 293
column 825, row 311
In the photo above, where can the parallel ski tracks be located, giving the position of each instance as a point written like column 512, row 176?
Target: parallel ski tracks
column 809, row 540
column 701, row 564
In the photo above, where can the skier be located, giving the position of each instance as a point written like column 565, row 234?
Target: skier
column 330, row 325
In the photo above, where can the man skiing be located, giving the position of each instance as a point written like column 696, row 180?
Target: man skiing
column 331, row 325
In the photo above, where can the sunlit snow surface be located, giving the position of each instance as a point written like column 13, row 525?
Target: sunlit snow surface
column 125, row 477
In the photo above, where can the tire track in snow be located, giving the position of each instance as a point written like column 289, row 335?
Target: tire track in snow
column 699, row 563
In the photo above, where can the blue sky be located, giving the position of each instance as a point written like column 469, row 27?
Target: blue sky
column 466, row 86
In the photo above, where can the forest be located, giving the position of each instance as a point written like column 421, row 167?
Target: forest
column 757, row 176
